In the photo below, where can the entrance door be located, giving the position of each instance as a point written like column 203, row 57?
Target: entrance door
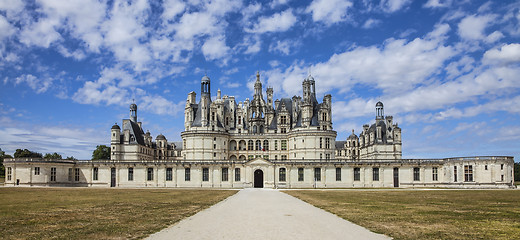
column 112, row 177
column 396, row 177
column 259, row 179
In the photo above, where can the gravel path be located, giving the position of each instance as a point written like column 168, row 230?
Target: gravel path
column 264, row 214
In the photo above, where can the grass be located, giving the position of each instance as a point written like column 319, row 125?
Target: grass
column 436, row 214
column 65, row 213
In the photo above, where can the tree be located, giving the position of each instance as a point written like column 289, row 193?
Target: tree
column 71, row 158
column 19, row 153
column 2, row 168
column 52, row 156
column 101, row 152
column 517, row 171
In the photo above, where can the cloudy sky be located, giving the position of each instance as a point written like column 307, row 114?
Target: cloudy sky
column 447, row 70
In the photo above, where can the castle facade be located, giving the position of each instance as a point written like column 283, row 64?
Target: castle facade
column 285, row 143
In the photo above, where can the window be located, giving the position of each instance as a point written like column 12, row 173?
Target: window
column 321, row 144
column 9, row 173
column 416, row 174
column 266, row 145
column 53, row 174
column 468, row 173
column 435, row 174
column 502, row 177
column 96, row 174
column 76, row 174
column 321, row 156
column 327, row 143
column 205, row 174
column 283, row 119
column 284, row 157
column 338, row 174
column 485, row 167
column 300, row 174
column 501, row 166
column 356, row 174
column 70, row 175
column 36, row 170
column 258, row 145
column 130, row 174
column 237, row 174
column 284, row 144
column 224, row 174
column 250, row 145
column 317, row 174
column 275, row 144
column 169, row 174
column 214, row 154
column 187, row 174
column 375, row 174
column 149, row 175
column 281, row 174
column 283, row 130
column 327, row 156
column 454, row 173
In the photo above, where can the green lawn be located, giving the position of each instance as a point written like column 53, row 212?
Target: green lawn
column 422, row 214
column 81, row 213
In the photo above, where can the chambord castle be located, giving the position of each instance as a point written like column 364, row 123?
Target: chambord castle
column 285, row 143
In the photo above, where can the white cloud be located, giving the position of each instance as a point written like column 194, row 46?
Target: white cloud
column 215, row 48
column 329, row 11
column 395, row 67
column 77, row 54
column 38, row 84
column 394, row 5
column 493, row 37
column 284, row 47
column 67, row 141
column 472, row 27
column 438, row 3
column 252, row 48
column 41, row 33
column 506, row 54
column 276, row 3
column 6, row 29
column 278, row 22
column 172, row 8
column 81, row 18
column 370, row 23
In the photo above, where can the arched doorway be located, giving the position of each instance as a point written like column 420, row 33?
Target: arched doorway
column 259, row 179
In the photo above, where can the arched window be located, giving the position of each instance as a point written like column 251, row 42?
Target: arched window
column 254, row 129
column 258, row 145
column 266, row 145
column 261, row 129
column 250, row 145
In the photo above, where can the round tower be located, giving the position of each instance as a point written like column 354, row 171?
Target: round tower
column 379, row 111
column 133, row 112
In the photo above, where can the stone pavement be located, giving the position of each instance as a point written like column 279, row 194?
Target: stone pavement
column 264, row 214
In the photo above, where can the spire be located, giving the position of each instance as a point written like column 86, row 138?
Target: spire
column 258, row 85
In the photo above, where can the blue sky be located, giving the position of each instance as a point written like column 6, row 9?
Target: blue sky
column 448, row 71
